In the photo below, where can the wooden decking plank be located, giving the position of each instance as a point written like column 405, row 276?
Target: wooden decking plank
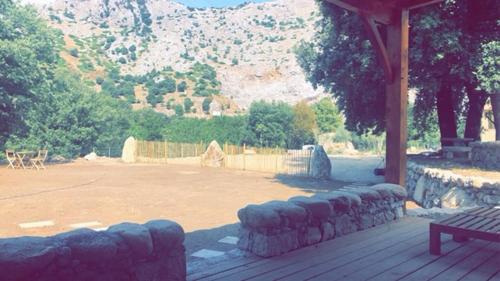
column 463, row 221
column 485, row 271
column 475, row 210
column 344, row 244
column 414, row 264
column 350, row 271
column 333, row 254
column 309, row 270
column 489, row 223
column 444, row 262
column 491, row 213
column 451, row 218
column 467, row 265
column 474, row 222
column 222, row 267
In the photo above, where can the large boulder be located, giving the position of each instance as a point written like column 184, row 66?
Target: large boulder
column 91, row 156
column 128, row 152
column 213, row 156
column 320, row 164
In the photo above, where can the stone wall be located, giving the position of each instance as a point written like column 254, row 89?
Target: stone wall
column 127, row 251
column 277, row 227
column 486, row 155
column 431, row 187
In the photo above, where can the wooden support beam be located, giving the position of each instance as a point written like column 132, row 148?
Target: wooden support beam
column 379, row 45
column 396, row 100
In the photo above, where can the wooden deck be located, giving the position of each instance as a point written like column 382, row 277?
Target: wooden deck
column 397, row 251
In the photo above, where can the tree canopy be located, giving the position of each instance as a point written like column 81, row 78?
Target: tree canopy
column 447, row 44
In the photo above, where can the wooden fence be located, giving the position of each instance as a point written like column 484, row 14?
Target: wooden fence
column 260, row 159
column 168, row 152
column 274, row 160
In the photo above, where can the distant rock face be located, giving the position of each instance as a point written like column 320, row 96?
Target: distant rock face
column 128, row 152
column 250, row 45
column 213, row 156
column 320, row 164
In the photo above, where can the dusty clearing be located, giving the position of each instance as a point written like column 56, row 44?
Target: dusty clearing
column 105, row 192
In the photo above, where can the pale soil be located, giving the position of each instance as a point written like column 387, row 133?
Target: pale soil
column 111, row 192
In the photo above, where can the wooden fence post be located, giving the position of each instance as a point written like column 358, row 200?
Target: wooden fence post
column 244, row 157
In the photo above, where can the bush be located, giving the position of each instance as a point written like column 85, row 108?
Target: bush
column 206, row 104
column 73, row 52
column 181, row 87
column 188, row 103
column 99, row 80
column 179, row 110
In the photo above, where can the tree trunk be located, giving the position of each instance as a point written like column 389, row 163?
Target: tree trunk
column 477, row 99
column 446, row 114
column 495, row 104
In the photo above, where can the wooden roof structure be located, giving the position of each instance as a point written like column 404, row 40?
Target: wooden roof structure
column 393, row 56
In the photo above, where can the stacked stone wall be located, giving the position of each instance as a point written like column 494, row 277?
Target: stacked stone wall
column 486, row 155
column 125, row 252
column 277, row 227
column 431, row 187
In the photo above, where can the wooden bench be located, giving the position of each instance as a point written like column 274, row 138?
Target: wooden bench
column 480, row 223
column 449, row 151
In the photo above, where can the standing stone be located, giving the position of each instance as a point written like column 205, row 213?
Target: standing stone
column 128, row 152
column 320, row 164
column 213, row 156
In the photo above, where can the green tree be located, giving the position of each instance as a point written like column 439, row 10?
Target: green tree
column 270, row 124
column 146, row 124
column 205, row 105
column 489, row 78
column 188, row 103
column 179, row 110
column 445, row 45
column 182, row 86
column 28, row 55
column 328, row 116
column 304, row 126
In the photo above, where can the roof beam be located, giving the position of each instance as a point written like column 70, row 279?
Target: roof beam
column 414, row 4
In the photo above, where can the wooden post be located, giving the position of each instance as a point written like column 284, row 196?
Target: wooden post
column 244, row 157
column 396, row 100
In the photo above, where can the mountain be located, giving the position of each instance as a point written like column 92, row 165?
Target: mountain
column 250, row 48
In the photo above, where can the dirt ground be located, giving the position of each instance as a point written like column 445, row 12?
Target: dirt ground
column 108, row 192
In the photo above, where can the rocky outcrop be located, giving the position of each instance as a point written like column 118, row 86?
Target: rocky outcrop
column 320, row 166
column 277, row 227
column 431, row 187
column 486, row 155
column 129, row 150
column 127, row 251
column 213, row 156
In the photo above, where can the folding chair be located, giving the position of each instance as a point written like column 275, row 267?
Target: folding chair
column 12, row 159
column 38, row 161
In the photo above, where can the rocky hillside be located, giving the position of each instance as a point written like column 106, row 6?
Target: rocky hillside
column 250, row 47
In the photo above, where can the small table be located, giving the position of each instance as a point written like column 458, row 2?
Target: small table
column 24, row 158
column 480, row 223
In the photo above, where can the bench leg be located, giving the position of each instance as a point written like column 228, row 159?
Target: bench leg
column 434, row 240
column 459, row 238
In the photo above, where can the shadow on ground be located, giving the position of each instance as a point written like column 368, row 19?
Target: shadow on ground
column 208, row 239
column 310, row 185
